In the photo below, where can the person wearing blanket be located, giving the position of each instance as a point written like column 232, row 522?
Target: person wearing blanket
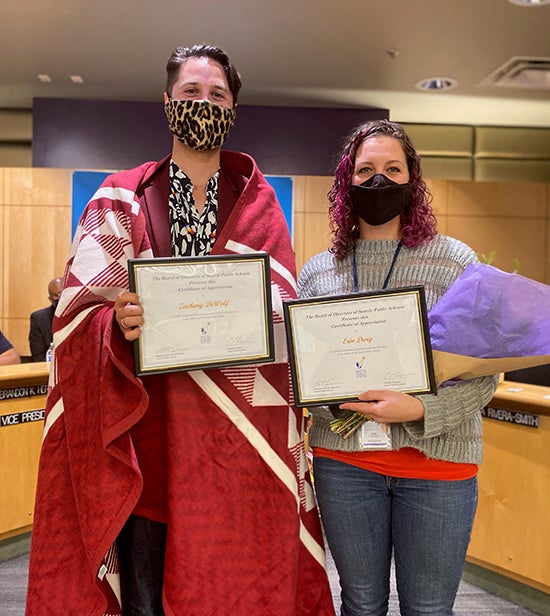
column 184, row 493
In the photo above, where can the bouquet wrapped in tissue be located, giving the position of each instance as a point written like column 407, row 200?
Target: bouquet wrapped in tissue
column 488, row 321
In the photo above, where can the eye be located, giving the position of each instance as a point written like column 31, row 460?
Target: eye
column 395, row 169
column 363, row 170
column 219, row 95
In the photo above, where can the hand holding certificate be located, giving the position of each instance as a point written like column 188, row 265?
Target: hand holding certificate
column 203, row 312
column 341, row 346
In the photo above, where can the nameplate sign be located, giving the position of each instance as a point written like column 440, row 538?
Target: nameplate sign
column 515, row 417
column 16, row 419
column 13, row 393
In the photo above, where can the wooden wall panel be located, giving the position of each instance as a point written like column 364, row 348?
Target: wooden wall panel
column 36, row 186
column 298, row 223
column 511, row 242
column 442, row 139
column 440, row 194
column 36, row 216
column 507, row 218
column 15, row 155
column 447, row 168
column 315, row 194
column 16, row 125
column 440, row 202
column 311, row 230
column 514, row 199
column 500, row 170
column 316, row 237
column 46, row 233
column 298, row 240
column 512, row 142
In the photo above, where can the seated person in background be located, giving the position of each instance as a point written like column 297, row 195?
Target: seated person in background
column 40, row 332
column 8, row 355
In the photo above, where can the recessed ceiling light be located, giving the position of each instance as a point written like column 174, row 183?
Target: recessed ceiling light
column 436, row 84
column 529, row 2
column 77, row 79
column 44, row 78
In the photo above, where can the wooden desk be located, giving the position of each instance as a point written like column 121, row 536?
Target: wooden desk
column 23, row 389
column 511, row 534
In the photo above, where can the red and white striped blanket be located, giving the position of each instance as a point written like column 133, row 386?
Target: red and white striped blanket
column 244, row 534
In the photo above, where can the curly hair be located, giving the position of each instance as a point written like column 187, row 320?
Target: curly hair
column 418, row 224
column 180, row 55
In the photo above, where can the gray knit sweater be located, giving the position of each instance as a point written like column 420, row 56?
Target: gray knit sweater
column 451, row 426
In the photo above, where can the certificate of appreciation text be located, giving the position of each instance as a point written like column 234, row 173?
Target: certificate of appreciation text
column 203, row 312
column 343, row 345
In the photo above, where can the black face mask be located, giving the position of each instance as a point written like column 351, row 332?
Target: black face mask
column 379, row 199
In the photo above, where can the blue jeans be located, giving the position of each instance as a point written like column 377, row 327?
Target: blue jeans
column 427, row 524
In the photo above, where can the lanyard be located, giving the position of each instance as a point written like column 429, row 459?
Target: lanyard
column 354, row 266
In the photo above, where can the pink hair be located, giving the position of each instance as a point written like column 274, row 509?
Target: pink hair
column 418, row 224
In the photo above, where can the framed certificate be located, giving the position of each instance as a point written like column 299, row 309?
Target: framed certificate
column 340, row 346
column 203, row 312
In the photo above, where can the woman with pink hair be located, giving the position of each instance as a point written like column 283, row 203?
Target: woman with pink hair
column 416, row 499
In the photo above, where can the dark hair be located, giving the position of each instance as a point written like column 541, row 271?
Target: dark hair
column 180, row 55
column 418, row 224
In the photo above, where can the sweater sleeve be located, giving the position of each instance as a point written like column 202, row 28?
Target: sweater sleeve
column 307, row 279
column 451, row 406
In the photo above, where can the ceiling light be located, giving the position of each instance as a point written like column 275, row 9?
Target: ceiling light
column 529, row 2
column 44, row 78
column 77, row 79
column 436, row 84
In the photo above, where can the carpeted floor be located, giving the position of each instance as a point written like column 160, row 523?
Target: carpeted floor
column 471, row 601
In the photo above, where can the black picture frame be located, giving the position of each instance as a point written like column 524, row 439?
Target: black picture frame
column 243, row 275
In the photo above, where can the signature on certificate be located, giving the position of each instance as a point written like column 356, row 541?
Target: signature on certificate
column 326, row 384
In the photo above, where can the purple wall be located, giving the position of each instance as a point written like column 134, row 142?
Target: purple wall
column 86, row 134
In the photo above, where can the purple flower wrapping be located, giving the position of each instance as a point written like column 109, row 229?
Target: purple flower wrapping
column 488, row 313
column 489, row 322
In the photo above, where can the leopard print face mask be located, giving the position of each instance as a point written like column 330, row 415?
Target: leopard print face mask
column 201, row 125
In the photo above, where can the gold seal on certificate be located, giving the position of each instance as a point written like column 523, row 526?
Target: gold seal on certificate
column 203, row 312
column 340, row 346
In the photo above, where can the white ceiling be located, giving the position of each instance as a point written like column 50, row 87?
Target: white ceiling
column 289, row 52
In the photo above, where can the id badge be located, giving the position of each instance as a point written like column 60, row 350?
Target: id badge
column 374, row 435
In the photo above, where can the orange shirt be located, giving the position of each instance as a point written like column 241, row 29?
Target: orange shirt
column 405, row 462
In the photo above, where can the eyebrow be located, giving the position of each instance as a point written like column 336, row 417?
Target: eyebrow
column 197, row 83
column 388, row 162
